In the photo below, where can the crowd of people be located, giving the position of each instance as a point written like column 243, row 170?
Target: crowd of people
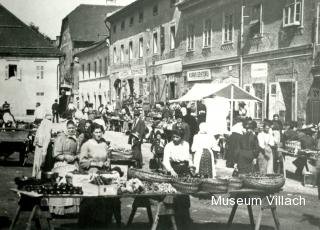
column 181, row 143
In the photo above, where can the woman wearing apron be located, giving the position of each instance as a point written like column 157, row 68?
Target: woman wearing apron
column 66, row 160
column 176, row 160
column 95, row 156
column 203, row 143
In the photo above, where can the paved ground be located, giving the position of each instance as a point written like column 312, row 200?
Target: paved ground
column 205, row 215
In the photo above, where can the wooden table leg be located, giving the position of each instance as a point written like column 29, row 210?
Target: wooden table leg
column 233, row 212
column 16, row 217
column 250, row 215
column 133, row 212
column 174, row 224
column 257, row 227
column 150, row 215
column 156, row 217
column 275, row 217
column 29, row 223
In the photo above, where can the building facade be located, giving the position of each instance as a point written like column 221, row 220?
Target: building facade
column 93, row 72
column 145, row 61
column 28, row 68
column 267, row 46
column 80, row 29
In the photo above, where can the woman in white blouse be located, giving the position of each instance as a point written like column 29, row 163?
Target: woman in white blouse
column 265, row 158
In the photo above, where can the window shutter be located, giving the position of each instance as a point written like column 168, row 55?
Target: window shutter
column 6, row 72
column 19, row 75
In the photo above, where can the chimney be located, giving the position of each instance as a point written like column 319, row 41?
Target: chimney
column 111, row 2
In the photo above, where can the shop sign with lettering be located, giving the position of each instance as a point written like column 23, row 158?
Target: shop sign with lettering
column 199, row 75
column 259, row 70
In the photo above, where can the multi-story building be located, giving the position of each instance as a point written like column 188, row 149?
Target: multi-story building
column 28, row 67
column 145, row 61
column 94, row 85
column 270, row 47
column 80, row 29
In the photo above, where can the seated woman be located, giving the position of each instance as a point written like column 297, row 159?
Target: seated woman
column 176, row 160
column 65, row 160
column 94, row 156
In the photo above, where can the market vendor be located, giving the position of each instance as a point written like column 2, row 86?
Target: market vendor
column 65, row 160
column 177, row 160
column 307, row 142
column 8, row 118
column 95, row 156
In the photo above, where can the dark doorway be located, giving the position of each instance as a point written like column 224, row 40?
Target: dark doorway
column 288, row 91
column 172, row 88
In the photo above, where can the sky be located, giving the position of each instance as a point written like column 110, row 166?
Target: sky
column 48, row 14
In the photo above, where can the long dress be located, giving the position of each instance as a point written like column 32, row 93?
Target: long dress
column 247, row 150
column 64, row 145
column 97, row 212
column 265, row 160
column 203, row 158
column 41, row 142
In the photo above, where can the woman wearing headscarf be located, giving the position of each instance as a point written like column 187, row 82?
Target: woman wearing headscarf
column 41, row 143
column 203, row 143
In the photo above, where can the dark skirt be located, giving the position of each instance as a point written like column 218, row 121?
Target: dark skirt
column 205, row 167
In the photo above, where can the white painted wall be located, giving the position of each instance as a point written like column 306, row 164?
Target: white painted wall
column 95, row 84
column 21, row 92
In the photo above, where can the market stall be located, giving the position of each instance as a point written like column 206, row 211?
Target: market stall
column 142, row 186
column 230, row 92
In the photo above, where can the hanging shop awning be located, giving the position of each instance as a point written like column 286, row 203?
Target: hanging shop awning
column 228, row 91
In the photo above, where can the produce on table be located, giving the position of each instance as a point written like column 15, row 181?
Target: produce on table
column 131, row 186
column 159, row 188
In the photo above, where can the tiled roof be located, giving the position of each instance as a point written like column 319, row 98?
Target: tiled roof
column 86, row 22
column 18, row 39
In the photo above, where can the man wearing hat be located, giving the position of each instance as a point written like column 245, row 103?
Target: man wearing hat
column 138, row 126
column 182, row 125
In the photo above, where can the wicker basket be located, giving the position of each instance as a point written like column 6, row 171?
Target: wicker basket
column 215, row 185
column 148, row 176
column 235, row 183
column 264, row 182
column 186, row 187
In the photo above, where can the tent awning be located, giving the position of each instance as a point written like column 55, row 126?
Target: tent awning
column 201, row 91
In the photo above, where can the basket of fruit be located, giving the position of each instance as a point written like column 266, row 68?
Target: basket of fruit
column 265, row 182
column 214, row 185
column 235, row 183
column 149, row 176
column 186, row 184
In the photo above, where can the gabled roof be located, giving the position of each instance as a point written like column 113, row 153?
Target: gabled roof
column 86, row 22
column 18, row 39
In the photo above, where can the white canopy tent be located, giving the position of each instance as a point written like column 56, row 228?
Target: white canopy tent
column 230, row 92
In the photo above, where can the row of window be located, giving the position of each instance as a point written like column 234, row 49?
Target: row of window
column 158, row 42
column 97, row 68
column 12, row 72
column 155, row 12
column 292, row 15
